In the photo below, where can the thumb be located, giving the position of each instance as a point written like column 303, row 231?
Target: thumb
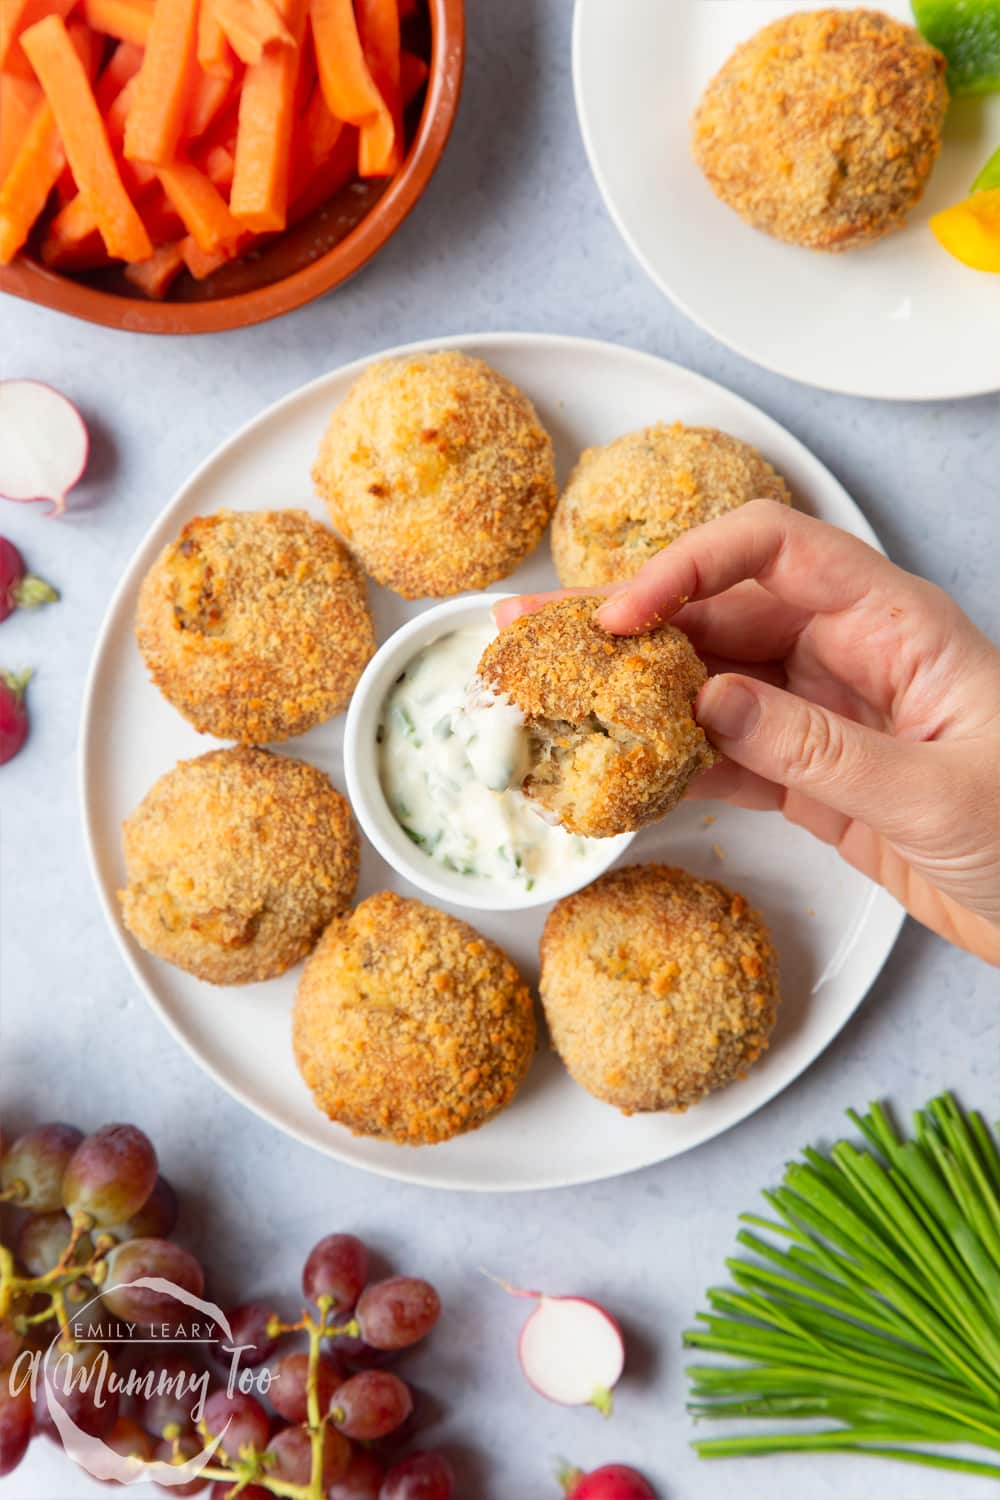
column 798, row 744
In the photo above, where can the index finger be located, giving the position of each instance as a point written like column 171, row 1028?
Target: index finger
column 801, row 561
column 509, row 610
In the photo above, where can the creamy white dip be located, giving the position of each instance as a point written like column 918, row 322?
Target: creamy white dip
column 451, row 757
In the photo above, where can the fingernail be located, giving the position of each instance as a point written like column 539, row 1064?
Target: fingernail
column 728, row 709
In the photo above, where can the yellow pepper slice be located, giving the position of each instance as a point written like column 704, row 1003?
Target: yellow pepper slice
column 970, row 230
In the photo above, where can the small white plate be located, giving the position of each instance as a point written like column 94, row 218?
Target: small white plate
column 833, row 929
column 900, row 319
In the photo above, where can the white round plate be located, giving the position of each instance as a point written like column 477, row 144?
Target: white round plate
column 832, row 927
column 900, row 319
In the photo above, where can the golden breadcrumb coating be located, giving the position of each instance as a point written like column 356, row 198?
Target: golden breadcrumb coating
column 612, row 738
column 410, row 1026
column 822, row 129
column 658, row 987
column 438, row 472
column 627, row 500
column 236, row 862
column 255, row 624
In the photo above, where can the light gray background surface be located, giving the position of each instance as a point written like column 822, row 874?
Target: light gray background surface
column 511, row 235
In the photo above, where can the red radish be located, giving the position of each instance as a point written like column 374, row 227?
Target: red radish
column 20, row 589
column 43, row 443
column 13, row 714
column 571, row 1350
column 612, row 1482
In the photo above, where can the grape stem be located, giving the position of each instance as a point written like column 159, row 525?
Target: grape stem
column 251, row 1467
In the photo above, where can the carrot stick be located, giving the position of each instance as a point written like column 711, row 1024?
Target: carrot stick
column 201, row 264
column 407, row 8
column 10, row 22
column 202, row 207
column 413, row 73
column 154, row 276
column 84, row 138
column 380, row 152
column 214, row 53
column 348, row 86
column 123, row 65
column 259, row 197
column 328, row 177
column 29, row 181
column 18, row 101
column 129, row 20
column 218, row 165
column 165, row 79
column 17, row 20
column 252, row 25
column 35, row 168
column 210, row 94
column 316, row 135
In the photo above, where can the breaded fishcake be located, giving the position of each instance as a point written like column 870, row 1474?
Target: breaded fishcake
column 438, row 472
column 822, row 129
column 658, row 987
column 613, row 743
column 627, row 500
column 236, row 862
column 410, row 1026
column 255, row 624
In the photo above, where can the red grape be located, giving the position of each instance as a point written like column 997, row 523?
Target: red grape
column 127, row 1438
column 223, row 1489
column 139, row 1258
column 357, row 1355
column 241, row 1419
column 35, row 1164
column 15, row 1422
column 77, row 1380
column 337, row 1267
column 10, row 1342
column 422, row 1476
column 110, row 1175
column 362, row 1479
column 169, row 1392
column 371, row 1405
column 156, row 1219
column 248, row 1324
column 42, row 1240
column 188, row 1447
column 395, row 1313
column 287, row 1392
column 291, row 1450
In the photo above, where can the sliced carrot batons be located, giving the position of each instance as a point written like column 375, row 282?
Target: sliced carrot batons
column 84, row 138
column 259, row 197
column 165, row 80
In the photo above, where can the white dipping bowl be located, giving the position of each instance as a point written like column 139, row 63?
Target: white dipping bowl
column 364, row 786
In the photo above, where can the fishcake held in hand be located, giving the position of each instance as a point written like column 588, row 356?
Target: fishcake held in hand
column 612, row 740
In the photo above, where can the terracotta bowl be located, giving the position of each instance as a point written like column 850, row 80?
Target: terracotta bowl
column 298, row 265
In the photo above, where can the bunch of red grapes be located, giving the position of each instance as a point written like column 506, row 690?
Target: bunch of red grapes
column 92, row 1215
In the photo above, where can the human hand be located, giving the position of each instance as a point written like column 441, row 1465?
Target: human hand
column 853, row 697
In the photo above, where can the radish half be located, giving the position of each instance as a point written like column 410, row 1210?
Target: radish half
column 571, row 1350
column 43, row 443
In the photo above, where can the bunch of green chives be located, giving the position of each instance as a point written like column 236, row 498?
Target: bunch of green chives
column 880, row 1313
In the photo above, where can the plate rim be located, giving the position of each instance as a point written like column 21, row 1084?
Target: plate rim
column 706, row 323
column 894, row 915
